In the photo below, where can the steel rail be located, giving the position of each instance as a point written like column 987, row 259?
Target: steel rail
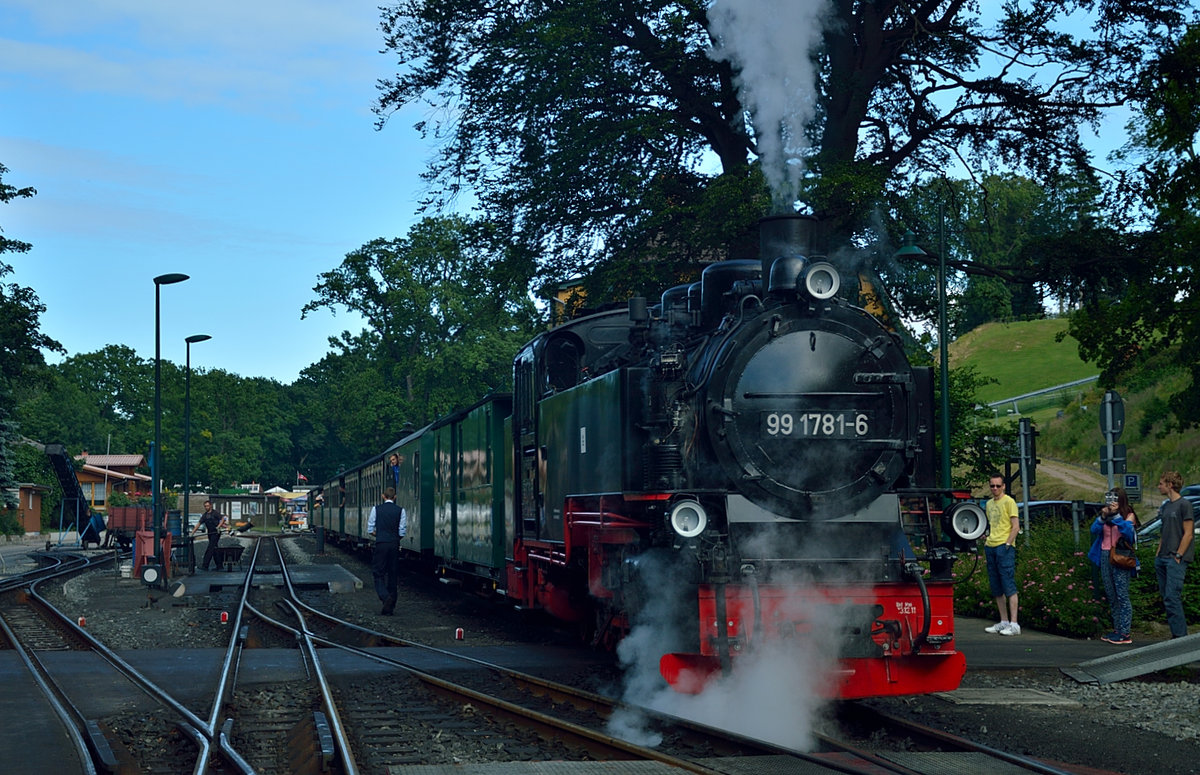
column 307, row 640
column 213, row 733
column 349, row 765
column 965, row 744
column 72, row 719
column 574, row 695
column 207, row 733
column 342, row 740
column 584, row 737
column 191, row 722
column 62, row 564
column 139, row 680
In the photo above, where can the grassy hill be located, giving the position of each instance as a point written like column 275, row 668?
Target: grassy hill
column 1023, row 357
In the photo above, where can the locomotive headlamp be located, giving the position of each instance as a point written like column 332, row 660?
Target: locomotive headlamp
column 822, row 280
column 688, row 518
column 967, row 522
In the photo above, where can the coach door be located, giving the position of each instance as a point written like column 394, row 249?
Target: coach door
column 528, row 482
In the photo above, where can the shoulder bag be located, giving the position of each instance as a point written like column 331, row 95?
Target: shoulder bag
column 1123, row 555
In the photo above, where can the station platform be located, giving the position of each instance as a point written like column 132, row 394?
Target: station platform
column 1029, row 650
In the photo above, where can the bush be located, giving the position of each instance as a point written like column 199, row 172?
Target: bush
column 10, row 521
column 1059, row 589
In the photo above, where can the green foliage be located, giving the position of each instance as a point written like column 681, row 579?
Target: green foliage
column 1025, row 356
column 8, row 441
column 118, row 499
column 1152, row 443
column 10, row 520
column 447, row 307
column 637, row 97
column 976, row 450
column 34, row 467
column 1143, row 299
column 21, row 343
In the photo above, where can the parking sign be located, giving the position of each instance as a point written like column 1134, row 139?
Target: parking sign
column 1133, row 486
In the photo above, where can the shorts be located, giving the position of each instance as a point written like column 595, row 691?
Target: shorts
column 1001, row 569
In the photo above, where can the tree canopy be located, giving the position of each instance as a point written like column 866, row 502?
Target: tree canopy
column 583, row 123
column 1140, row 292
column 21, row 341
column 446, row 308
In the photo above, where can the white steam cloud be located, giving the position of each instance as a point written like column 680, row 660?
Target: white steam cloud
column 770, row 45
column 775, row 691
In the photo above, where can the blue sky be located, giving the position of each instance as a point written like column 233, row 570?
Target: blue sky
column 230, row 141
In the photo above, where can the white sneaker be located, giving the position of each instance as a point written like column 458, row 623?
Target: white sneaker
column 1012, row 628
column 995, row 628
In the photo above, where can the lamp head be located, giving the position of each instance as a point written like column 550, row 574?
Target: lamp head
column 910, row 249
column 197, row 338
column 167, row 279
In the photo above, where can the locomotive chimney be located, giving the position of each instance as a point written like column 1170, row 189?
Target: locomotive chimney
column 786, row 236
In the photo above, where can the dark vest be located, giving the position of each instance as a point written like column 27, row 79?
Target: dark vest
column 387, row 523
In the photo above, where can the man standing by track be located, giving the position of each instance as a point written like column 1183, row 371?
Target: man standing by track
column 387, row 525
column 1000, row 550
column 212, row 521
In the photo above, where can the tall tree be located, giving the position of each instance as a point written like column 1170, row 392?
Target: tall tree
column 1141, row 294
column 21, row 342
column 568, row 118
column 446, row 309
column 94, row 400
column 993, row 228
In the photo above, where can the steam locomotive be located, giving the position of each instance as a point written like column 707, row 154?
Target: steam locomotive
column 747, row 465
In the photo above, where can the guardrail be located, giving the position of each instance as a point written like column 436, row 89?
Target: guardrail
column 1039, row 398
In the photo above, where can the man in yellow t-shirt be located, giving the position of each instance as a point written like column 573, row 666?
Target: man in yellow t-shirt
column 1000, row 550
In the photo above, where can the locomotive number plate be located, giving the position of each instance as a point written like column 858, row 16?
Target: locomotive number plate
column 847, row 424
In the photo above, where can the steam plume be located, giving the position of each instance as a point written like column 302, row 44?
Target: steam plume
column 770, row 45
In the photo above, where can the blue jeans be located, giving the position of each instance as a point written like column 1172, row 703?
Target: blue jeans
column 1116, row 589
column 1170, row 585
column 1002, row 569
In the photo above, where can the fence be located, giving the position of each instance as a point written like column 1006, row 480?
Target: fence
column 1040, row 399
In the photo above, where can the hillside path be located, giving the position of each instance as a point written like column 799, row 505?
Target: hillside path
column 1087, row 479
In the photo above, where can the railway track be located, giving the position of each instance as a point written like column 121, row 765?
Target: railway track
column 33, row 628
column 405, row 703
column 584, row 717
column 158, row 735
column 489, row 702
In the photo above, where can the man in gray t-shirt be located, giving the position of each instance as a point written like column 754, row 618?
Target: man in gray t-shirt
column 1175, row 550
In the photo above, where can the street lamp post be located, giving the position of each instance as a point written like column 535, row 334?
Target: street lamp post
column 187, row 442
column 910, row 249
column 156, row 454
